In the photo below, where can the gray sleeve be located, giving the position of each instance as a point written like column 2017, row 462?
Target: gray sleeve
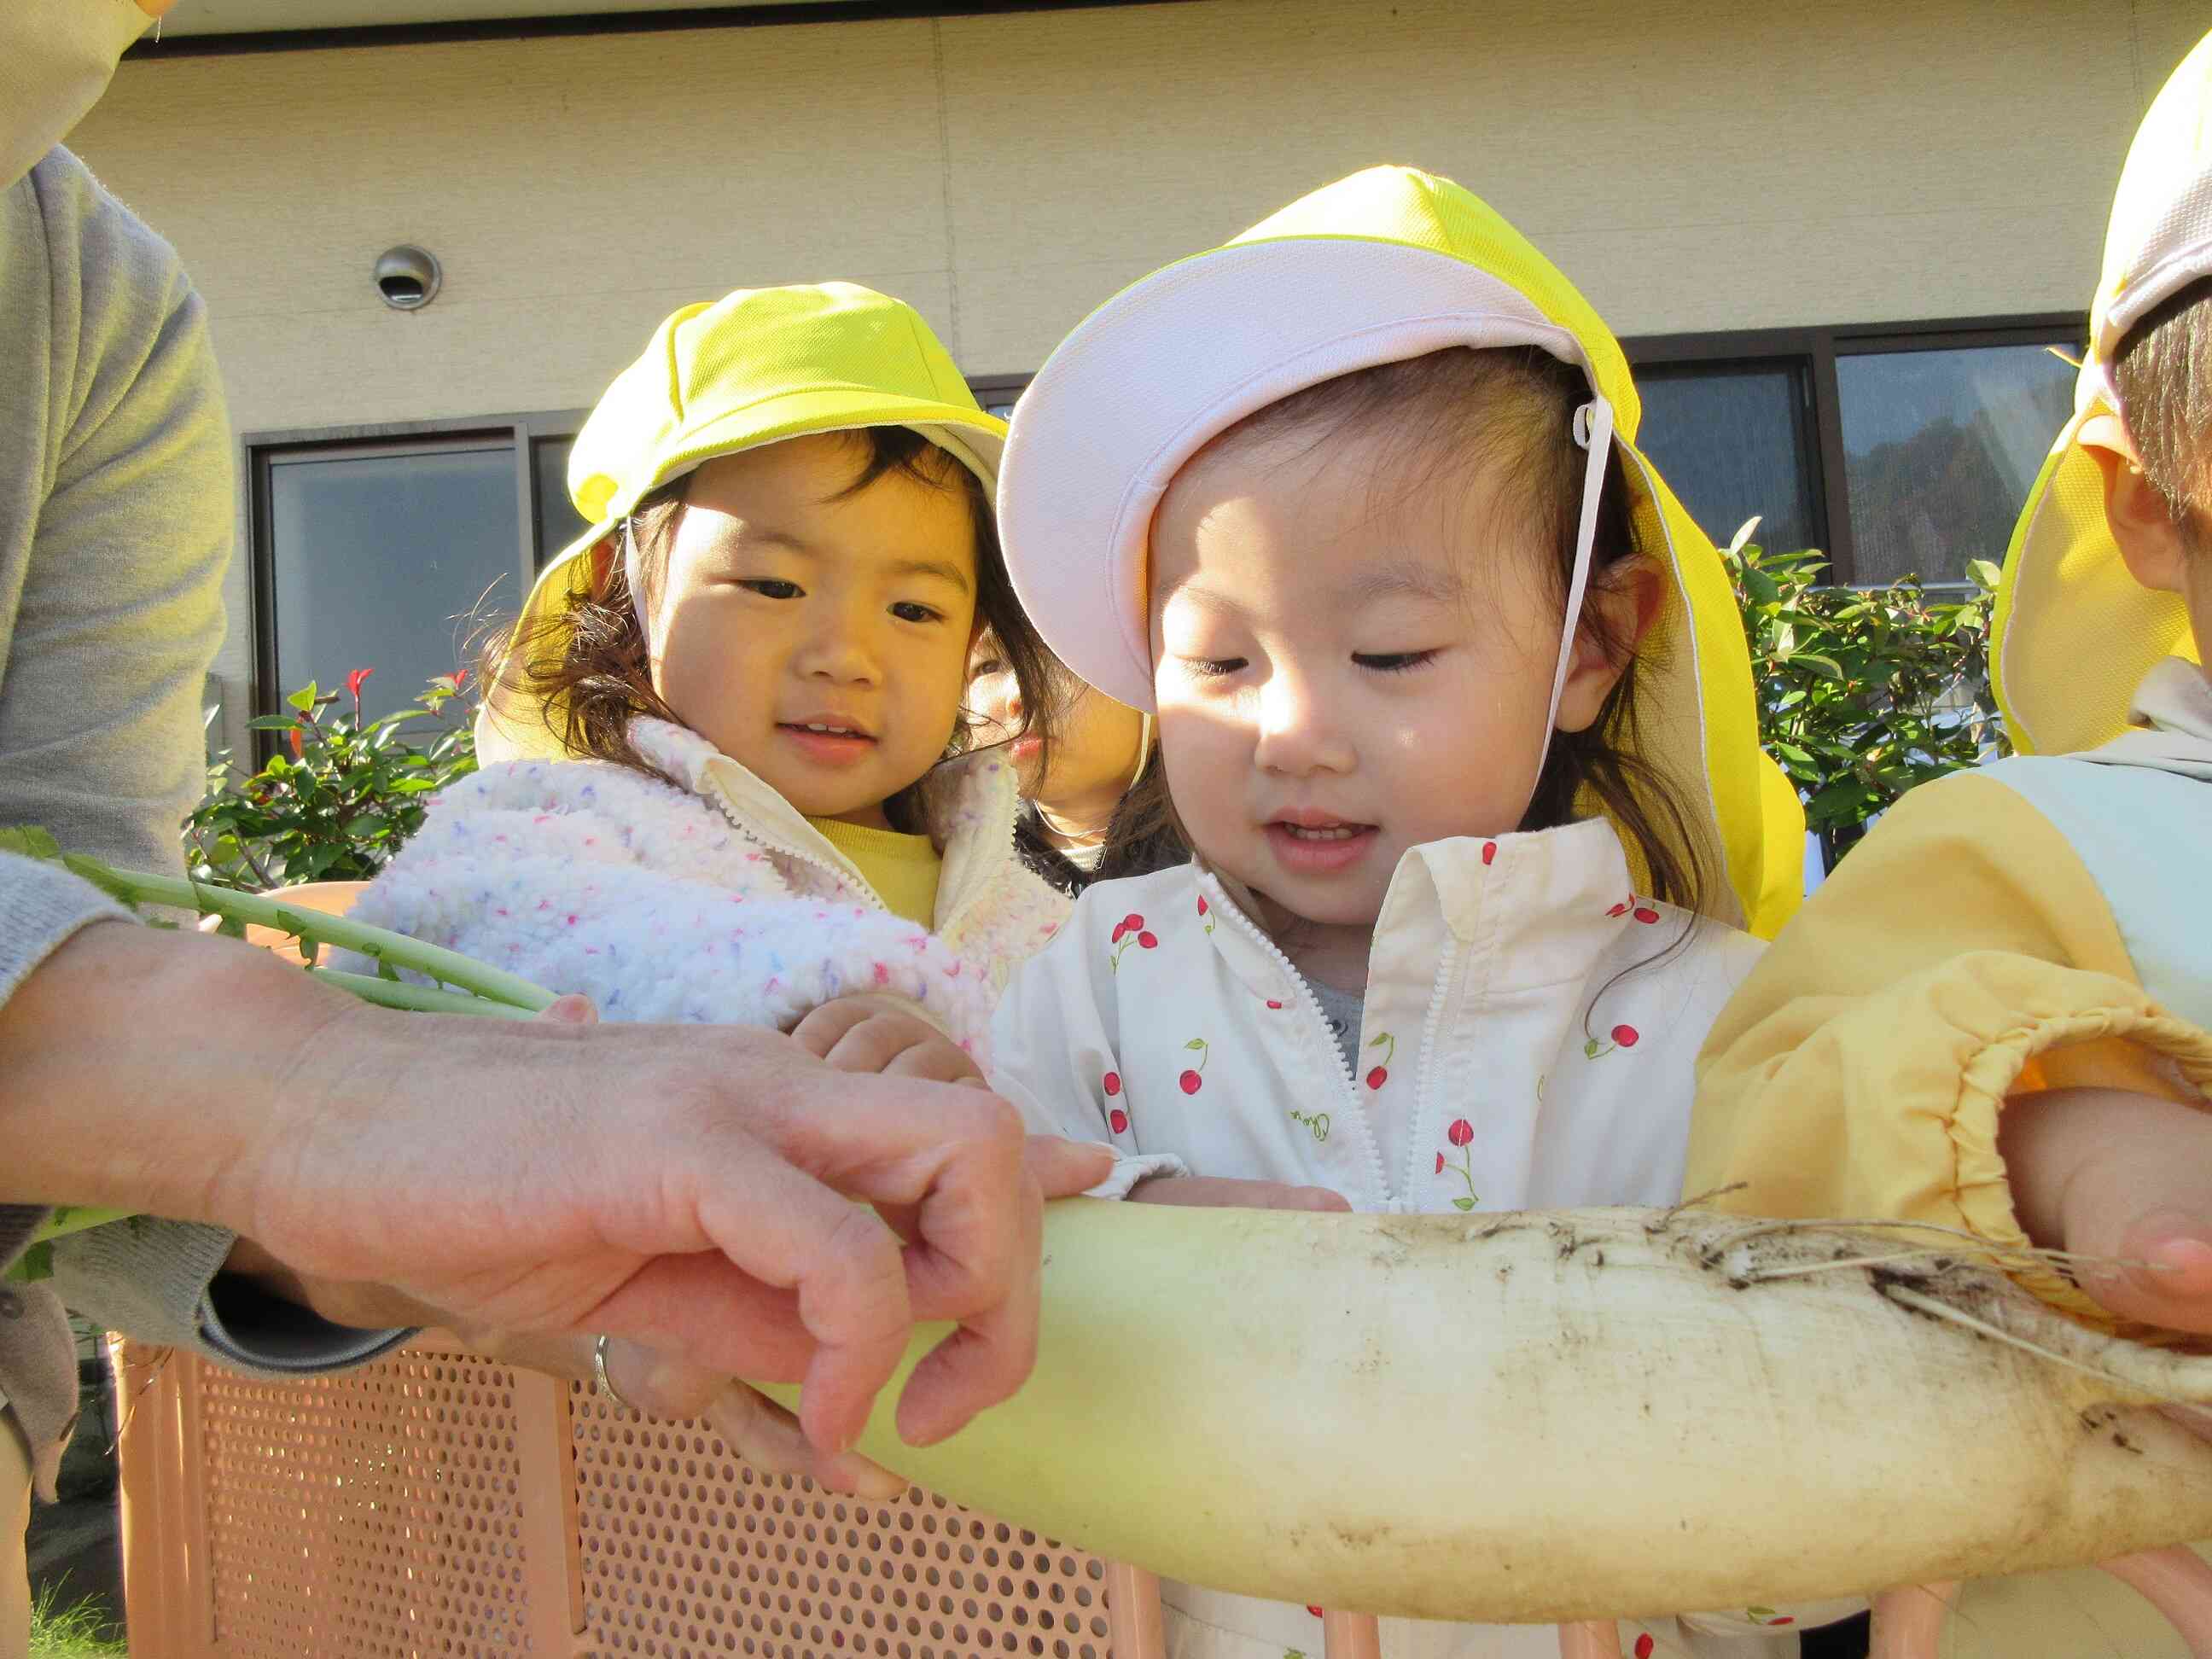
column 120, row 616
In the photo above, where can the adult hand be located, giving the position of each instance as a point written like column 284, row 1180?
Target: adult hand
column 692, row 1187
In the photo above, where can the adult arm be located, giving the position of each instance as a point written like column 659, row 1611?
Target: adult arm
column 710, row 1191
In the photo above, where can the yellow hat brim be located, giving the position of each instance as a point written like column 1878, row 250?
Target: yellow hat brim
column 2073, row 633
column 513, row 723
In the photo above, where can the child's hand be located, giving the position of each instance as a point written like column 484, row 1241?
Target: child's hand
column 859, row 1033
column 2105, row 1173
column 1220, row 1192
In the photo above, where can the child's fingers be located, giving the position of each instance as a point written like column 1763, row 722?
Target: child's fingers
column 826, row 1027
column 1223, row 1192
column 2126, row 1178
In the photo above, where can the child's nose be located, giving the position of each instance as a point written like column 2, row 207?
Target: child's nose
column 841, row 650
column 1297, row 734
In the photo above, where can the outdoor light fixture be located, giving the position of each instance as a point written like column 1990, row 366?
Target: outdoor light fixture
column 408, row 276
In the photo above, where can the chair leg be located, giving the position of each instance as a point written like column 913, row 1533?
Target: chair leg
column 2179, row 1584
column 1909, row 1622
column 1593, row 1639
column 1133, row 1624
column 1351, row 1635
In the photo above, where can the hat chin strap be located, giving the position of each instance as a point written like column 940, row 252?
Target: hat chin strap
column 1593, row 430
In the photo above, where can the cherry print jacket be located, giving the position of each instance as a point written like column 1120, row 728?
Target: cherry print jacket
column 718, row 903
column 1528, row 1040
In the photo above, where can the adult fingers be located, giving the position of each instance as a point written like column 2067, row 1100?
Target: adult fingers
column 769, row 1438
column 775, row 1224
column 993, row 1352
column 1062, row 1168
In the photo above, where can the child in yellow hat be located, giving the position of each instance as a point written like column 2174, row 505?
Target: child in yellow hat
column 729, row 776
column 1996, row 1015
column 1455, row 711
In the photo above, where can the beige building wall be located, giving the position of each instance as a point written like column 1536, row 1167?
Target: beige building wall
column 1692, row 167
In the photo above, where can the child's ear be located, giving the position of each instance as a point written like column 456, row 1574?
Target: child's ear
column 2139, row 517
column 1625, row 600
column 604, row 553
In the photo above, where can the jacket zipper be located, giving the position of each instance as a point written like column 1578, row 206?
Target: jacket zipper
column 1347, row 1079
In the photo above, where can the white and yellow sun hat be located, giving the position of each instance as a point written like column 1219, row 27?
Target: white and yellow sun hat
column 2073, row 634
column 1387, row 264
column 755, row 368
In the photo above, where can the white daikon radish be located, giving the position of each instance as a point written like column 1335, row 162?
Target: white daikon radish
column 1567, row 1414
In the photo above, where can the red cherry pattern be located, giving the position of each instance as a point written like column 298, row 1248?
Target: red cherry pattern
column 1461, row 1132
column 1489, row 852
column 1120, row 1120
column 1271, row 1003
column 1642, row 913
column 1112, row 1085
column 1626, row 1036
column 1388, row 1044
column 1440, row 1162
column 1190, row 1082
column 1131, row 930
column 1644, row 1646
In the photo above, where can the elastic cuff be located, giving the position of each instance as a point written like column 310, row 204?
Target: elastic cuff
column 1129, row 1171
column 247, row 1328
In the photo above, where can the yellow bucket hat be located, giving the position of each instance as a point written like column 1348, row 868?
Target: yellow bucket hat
column 756, row 366
column 2073, row 634
column 1387, row 264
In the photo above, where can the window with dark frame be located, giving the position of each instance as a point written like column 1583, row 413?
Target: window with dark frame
column 1910, row 449
column 1898, row 449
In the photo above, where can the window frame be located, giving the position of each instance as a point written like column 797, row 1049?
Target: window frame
column 519, row 432
column 1819, row 347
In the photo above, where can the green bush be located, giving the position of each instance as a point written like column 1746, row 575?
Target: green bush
column 337, row 797
column 1864, row 692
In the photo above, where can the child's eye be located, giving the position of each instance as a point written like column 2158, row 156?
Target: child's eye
column 770, row 589
column 908, row 610
column 1212, row 668
column 984, row 670
column 1392, row 662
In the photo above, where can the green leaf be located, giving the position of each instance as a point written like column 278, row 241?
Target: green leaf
column 1462, row 1204
column 1195, row 1042
column 304, row 698
column 1760, row 587
column 31, row 841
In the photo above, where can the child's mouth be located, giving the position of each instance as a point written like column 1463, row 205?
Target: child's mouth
column 826, row 742
column 1319, row 848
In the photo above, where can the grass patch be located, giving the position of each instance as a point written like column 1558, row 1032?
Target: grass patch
column 73, row 1629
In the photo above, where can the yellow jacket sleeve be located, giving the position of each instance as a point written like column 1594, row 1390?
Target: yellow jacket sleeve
column 1962, row 953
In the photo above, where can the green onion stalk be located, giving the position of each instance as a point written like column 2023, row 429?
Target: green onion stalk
column 459, row 984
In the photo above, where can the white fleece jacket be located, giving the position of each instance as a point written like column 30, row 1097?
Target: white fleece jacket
column 718, row 903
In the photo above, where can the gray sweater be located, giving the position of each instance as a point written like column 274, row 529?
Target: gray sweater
column 115, row 529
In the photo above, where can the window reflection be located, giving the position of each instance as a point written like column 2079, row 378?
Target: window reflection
column 1940, row 449
column 1732, row 441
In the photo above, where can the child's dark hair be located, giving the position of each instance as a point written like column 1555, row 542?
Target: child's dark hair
column 2163, row 372
column 590, row 661
column 1508, row 412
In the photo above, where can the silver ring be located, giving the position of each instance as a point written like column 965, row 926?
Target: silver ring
column 605, row 1382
